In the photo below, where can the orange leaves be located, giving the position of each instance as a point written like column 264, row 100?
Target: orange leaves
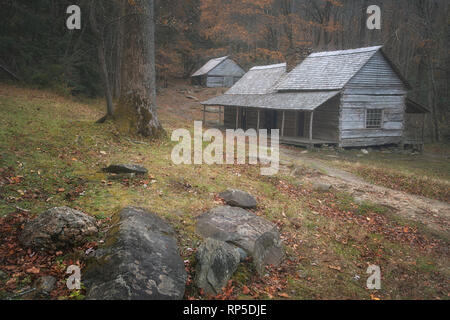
column 245, row 290
column 23, row 266
column 33, row 270
column 337, row 268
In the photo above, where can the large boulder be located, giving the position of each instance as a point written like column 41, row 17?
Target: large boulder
column 140, row 261
column 268, row 250
column 58, row 228
column 245, row 230
column 216, row 263
column 238, row 198
column 126, row 168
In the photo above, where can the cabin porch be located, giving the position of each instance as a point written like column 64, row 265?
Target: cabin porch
column 305, row 142
column 305, row 128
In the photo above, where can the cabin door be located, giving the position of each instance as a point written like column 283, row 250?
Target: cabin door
column 243, row 116
column 301, row 124
column 271, row 120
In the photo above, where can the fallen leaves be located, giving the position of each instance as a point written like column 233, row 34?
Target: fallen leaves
column 33, row 270
column 413, row 184
column 283, row 295
column 245, row 290
column 23, row 266
column 337, row 268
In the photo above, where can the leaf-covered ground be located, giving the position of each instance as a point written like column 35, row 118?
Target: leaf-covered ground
column 51, row 154
column 426, row 175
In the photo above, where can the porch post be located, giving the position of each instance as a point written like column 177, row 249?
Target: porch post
column 311, row 126
column 204, row 114
column 282, row 124
column 423, row 127
column 237, row 118
column 257, row 127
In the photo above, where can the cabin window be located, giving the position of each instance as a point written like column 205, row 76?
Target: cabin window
column 374, row 118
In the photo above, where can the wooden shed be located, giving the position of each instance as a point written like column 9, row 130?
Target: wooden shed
column 349, row 98
column 219, row 72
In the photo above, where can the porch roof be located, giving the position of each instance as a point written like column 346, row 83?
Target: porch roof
column 305, row 100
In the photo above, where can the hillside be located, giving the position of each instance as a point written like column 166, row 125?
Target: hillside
column 52, row 153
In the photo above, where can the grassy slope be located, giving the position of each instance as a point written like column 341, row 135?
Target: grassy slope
column 54, row 149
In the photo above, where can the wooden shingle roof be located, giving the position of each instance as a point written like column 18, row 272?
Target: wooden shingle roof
column 259, row 80
column 210, row 65
column 308, row 100
column 327, row 70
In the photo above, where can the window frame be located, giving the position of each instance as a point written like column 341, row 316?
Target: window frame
column 381, row 119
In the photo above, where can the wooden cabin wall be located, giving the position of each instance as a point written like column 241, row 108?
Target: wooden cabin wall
column 375, row 86
column 225, row 74
column 252, row 119
column 215, row 81
column 229, row 117
column 227, row 68
column 326, row 121
column 290, row 123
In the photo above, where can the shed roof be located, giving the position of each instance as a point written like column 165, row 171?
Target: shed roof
column 330, row 70
column 259, row 80
column 415, row 107
column 210, row 65
column 308, row 100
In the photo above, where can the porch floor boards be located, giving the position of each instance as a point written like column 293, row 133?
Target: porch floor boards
column 305, row 142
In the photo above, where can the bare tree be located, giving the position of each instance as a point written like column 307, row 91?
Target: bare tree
column 100, row 35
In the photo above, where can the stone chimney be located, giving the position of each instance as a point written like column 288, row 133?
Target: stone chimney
column 296, row 56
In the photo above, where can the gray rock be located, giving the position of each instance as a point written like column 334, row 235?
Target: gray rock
column 268, row 251
column 140, row 261
column 126, row 168
column 216, row 263
column 322, row 187
column 243, row 254
column 58, row 228
column 3, row 275
column 45, row 285
column 241, row 228
column 238, row 198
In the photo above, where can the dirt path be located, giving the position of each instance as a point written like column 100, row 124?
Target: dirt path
column 432, row 213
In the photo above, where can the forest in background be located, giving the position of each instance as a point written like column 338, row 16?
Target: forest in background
column 37, row 49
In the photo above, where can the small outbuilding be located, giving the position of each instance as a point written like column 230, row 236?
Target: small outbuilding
column 349, row 98
column 219, row 72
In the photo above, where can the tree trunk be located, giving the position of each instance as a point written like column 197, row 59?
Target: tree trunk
column 136, row 110
column 99, row 34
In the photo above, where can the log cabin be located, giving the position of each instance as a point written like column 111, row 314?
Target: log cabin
column 347, row 98
column 218, row 72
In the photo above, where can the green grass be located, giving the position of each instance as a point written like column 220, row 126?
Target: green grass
column 54, row 144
